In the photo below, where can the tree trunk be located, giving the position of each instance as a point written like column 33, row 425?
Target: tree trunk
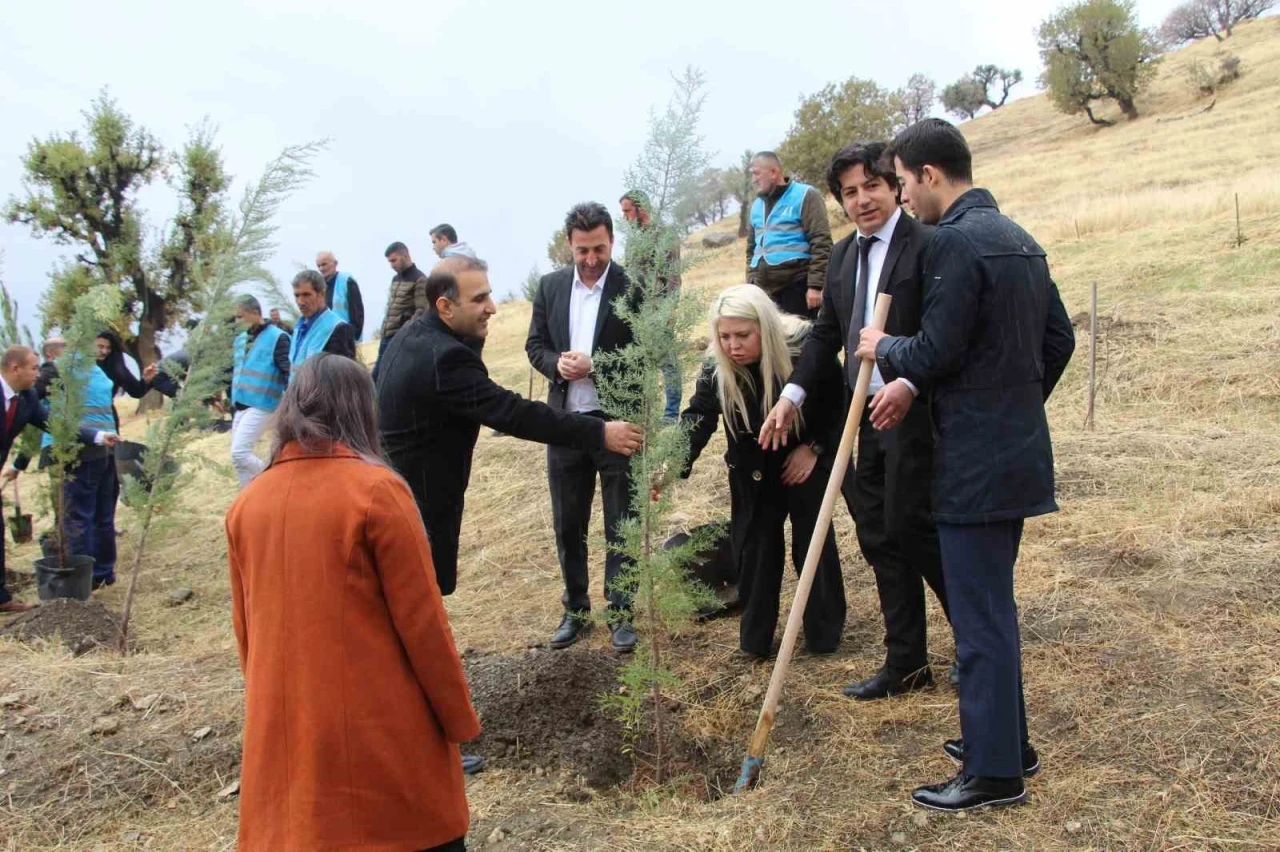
column 744, row 210
column 147, row 351
column 1101, row 122
column 1128, row 106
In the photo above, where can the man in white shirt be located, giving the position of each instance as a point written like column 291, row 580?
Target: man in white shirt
column 890, row 494
column 573, row 323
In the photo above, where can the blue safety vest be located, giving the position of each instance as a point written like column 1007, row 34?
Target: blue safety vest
column 256, row 381
column 780, row 237
column 312, row 342
column 341, row 306
column 99, row 413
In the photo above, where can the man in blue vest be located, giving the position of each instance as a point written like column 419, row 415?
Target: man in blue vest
column 260, row 376
column 342, row 293
column 319, row 329
column 789, row 239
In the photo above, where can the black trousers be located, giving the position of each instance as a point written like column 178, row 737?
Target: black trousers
column 444, row 526
column 572, row 477
column 889, row 498
column 978, row 562
column 760, row 507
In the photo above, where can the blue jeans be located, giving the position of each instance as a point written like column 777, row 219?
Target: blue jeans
column 90, row 494
column 671, row 379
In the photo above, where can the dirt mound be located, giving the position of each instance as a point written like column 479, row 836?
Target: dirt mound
column 81, row 625
column 543, row 708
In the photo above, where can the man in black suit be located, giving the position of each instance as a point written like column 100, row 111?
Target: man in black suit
column 891, row 488
column 573, row 321
column 434, row 393
column 19, row 368
column 993, row 342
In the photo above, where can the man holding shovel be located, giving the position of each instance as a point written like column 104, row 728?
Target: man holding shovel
column 994, row 340
column 890, row 490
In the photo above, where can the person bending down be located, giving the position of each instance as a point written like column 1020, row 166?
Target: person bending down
column 750, row 359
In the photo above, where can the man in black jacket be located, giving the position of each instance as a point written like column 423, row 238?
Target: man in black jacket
column 573, row 322
column 434, row 393
column 993, row 342
column 891, row 487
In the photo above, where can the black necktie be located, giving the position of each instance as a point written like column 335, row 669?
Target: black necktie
column 861, row 293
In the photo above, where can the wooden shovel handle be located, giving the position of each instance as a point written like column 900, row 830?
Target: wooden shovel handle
column 769, row 711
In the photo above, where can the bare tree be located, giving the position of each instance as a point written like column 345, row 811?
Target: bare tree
column 1197, row 19
column 915, row 100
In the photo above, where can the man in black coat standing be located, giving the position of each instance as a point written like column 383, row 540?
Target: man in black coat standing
column 434, row 393
column 573, row 322
column 889, row 494
column 993, row 342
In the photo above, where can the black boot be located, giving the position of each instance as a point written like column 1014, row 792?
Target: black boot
column 573, row 625
column 954, row 749
column 969, row 792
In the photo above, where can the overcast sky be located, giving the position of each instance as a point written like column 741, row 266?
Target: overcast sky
column 493, row 116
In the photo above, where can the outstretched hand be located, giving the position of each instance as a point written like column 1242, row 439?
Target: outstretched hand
column 622, row 438
column 777, row 425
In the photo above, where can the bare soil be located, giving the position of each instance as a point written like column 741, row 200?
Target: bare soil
column 83, row 626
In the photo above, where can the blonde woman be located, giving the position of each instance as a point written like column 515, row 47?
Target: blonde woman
column 749, row 361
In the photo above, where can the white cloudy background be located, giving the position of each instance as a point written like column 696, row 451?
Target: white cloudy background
column 492, row 116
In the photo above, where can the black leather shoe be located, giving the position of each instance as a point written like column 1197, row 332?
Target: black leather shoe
column 883, row 685
column 954, row 675
column 99, row 582
column 969, row 792
column 472, row 763
column 572, row 626
column 624, row 638
column 954, row 749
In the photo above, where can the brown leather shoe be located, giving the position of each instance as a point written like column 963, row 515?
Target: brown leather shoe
column 13, row 607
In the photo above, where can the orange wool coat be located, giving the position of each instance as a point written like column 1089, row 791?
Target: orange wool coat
column 355, row 697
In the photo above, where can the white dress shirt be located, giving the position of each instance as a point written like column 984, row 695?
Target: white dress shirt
column 875, row 261
column 584, row 308
column 9, row 393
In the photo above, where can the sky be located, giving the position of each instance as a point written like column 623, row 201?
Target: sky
column 495, row 117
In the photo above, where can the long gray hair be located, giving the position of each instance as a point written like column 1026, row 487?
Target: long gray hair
column 330, row 401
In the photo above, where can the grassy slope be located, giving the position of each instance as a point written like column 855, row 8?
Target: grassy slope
column 1151, row 616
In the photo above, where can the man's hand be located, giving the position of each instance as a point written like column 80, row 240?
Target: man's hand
column 867, row 343
column 777, row 425
column 573, row 366
column 150, row 372
column 110, row 439
column 890, row 404
column 813, row 298
column 622, row 438
column 9, row 475
column 798, row 466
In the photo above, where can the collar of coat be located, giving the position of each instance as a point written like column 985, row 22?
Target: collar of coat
column 293, row 451
column 976, row 197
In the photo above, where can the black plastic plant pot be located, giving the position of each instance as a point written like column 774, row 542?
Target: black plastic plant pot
column 74, row 581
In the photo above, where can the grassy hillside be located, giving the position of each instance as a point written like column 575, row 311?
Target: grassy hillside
column 1150, row 603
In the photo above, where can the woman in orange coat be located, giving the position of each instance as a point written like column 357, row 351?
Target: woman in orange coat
column 355, row 699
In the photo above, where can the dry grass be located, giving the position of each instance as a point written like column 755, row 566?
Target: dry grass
column 1150, row 604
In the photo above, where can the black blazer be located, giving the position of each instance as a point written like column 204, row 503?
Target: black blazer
column 30, row 412
column 549, row 326
column 994, row 340
column 901, row 276
column 434, row 393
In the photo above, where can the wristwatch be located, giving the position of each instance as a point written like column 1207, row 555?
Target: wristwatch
column 817, row 448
